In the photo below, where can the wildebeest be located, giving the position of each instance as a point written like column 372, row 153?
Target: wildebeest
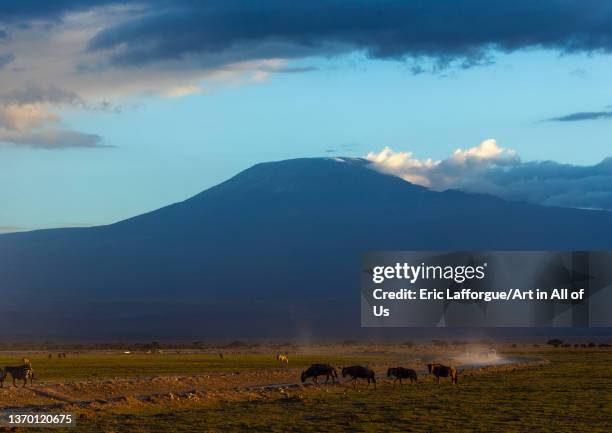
column 316, row 370
column 400, row 373
column 20, row 372
column 282, row 358
column 359, row 372
column 439, row 370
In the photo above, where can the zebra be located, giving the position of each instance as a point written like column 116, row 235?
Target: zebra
column 21, row 372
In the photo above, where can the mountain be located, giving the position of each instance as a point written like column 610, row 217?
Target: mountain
column 273, row 251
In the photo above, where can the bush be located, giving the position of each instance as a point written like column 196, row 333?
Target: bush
column 554, row 342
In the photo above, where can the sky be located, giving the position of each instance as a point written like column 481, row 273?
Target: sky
column 110, row 109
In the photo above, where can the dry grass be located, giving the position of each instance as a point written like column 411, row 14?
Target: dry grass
column 569, row 394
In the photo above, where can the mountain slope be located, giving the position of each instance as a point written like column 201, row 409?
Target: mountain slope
column 273, row 251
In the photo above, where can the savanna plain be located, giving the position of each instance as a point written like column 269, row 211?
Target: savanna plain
column 509, row 387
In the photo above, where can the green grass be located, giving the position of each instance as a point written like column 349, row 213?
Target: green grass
column 571, row 394
column 95, row 365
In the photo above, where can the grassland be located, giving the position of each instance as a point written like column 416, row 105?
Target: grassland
column 97, row 365
column 569, row 393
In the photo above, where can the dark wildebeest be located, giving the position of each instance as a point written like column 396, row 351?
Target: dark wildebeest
column 439, row 370
column 400, row 373
column 359, row 372
column 316, row 370
column 21, row 372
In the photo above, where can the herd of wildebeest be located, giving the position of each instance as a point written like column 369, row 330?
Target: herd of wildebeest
column 356, row 372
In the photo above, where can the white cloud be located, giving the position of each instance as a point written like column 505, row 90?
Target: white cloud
column 180, row 91
column 487, row 152
column 492, row 169
column 18, row 118
column 402, row 164
column 447, row 173
column 32, row 125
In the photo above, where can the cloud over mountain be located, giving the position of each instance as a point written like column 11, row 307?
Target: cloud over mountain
column 489, row 168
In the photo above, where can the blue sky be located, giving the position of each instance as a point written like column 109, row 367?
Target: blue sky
column 109, row 143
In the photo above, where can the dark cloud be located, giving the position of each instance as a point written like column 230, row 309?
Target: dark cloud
column 448, row 32
column 550, row 183
column 6, row 59
column 48, row 10
column 584, row 115
column 463, row 32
